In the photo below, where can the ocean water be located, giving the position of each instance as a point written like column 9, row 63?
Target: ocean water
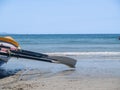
column 71, row 44
column 92, row 51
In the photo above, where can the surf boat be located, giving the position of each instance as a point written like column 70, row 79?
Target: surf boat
column 10, row 48
column 7, row 43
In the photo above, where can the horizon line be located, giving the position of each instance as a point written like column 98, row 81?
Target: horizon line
column 51, row 33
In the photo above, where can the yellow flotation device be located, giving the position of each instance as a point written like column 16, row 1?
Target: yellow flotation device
column 10, row 40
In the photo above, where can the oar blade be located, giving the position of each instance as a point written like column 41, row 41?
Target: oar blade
column 53, row 59
column 64, row 60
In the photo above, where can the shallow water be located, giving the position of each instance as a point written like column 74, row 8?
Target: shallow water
column 84, row 68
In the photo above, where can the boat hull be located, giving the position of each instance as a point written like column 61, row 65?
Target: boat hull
column 1, row 63
column 7, row 44
column 3, row 59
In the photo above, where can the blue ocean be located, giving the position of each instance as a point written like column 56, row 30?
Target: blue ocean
column 93, row 51
column 99, row 46
column 47, row 43
column 82, row 45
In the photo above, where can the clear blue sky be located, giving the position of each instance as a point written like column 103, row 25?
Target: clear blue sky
column 60, row 16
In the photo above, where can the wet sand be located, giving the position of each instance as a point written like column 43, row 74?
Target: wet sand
column 88, row 75
column 60, row 82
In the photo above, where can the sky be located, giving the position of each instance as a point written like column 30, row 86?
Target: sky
column 60, row 16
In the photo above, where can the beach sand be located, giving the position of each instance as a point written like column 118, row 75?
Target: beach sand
column 88, row 75
column 60, row 83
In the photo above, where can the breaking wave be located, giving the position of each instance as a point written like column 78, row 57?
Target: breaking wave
column 83, row 53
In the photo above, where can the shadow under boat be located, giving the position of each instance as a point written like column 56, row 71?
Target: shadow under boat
column 6, row 73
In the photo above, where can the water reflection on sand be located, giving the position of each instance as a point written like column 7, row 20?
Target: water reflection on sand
column 31, row 69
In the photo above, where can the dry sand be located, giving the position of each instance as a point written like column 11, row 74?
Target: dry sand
column 59, row 81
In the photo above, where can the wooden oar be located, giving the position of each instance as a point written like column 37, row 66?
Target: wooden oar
column 31, row 53
column 37, row 56
column 25, row 56
column 53, row 59
column 64, row 60
column 59, row 59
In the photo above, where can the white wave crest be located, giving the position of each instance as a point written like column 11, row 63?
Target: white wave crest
column 83, row 53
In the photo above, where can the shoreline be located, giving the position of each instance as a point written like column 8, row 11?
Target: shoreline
column 60, row 82
column 89, row 74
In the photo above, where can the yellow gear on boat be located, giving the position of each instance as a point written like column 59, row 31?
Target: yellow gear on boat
column 10, row 40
